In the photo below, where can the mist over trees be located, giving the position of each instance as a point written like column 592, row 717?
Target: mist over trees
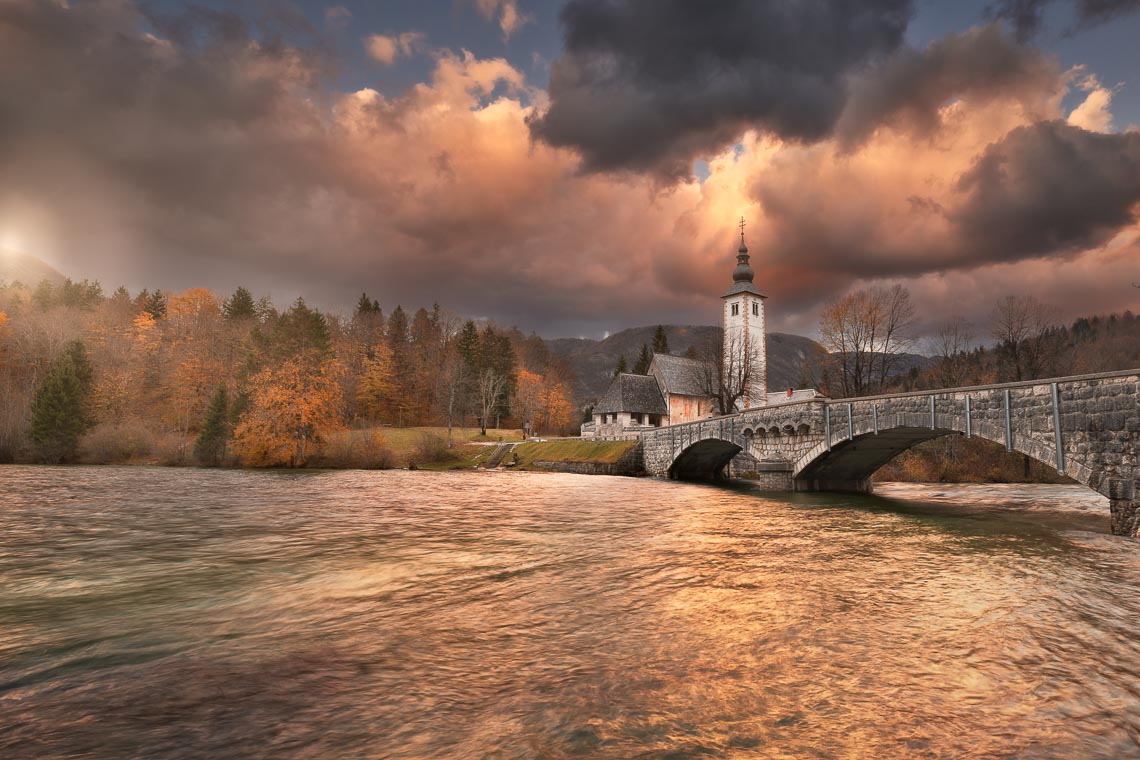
column 192, row 377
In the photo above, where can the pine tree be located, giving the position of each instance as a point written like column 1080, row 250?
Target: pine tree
column 621, row 367
column 155, row 304
column 210, row 447
column 660, row 341
column 240, row 305
column 59, row 409
column 643, row 359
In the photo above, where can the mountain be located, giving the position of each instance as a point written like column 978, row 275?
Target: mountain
column 28, row 270
column 593, row 361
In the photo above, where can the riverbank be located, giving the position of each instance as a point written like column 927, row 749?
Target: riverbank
column 952, row 459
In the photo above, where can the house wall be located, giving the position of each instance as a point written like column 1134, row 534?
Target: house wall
column 687, row 408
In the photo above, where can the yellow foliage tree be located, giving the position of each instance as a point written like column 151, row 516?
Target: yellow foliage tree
column 529, row 397
column 558, row 409
column 377, row 382
column 293, row 409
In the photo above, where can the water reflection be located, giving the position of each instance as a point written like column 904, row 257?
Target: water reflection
column 190, row 614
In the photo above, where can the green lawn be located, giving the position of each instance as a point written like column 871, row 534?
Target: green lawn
column 572, row 450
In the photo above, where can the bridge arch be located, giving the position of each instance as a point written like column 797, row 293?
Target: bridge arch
column 849, row 463
column 705, row 459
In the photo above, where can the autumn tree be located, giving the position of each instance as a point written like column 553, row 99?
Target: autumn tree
column 529, row 397
column 490, row 388
column 866, row 332
column 723, row 369
column 60, row 413
column 1027, row 344
column 951, row 347
column 293, row 408
column 376, row 385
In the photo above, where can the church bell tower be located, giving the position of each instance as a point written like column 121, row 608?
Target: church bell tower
column 745, row 349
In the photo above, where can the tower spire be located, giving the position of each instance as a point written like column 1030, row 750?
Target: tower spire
column 743, row 271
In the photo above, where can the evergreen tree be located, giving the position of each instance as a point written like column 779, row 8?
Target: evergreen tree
column 210, row 447
column 240, row 305
column 366, row 306
column 621, row 366
column 643, row 359
column 155, row 304
column 59, row 409
column 660, row 341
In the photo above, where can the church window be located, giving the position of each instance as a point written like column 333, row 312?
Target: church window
column 735, row 309
column 755, row 309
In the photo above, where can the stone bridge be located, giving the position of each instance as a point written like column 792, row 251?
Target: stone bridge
column 1088, row 427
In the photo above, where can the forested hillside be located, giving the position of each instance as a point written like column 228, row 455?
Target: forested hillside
column 190, row 377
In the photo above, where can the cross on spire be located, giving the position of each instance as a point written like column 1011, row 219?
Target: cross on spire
column 741, row 228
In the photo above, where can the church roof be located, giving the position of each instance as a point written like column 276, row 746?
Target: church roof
column 632, row 393
column 743, row 287
column 678, row 375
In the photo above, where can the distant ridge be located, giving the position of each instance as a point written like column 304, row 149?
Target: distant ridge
column 593, row 361
column 26, row 269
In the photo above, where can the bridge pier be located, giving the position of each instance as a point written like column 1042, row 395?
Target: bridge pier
column 1125, row 507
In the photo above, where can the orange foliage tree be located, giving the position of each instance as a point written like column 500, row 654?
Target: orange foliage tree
column 377, row 382
column 542, row 400
column 293, row 409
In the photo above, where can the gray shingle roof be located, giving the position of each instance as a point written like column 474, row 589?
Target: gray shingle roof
column 743, row 287
column 679, row 375
column 632, row 393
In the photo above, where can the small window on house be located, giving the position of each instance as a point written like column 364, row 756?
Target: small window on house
column 755, row 309
column 735, row 309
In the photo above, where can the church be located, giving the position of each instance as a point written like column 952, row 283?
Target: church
column 678, row 389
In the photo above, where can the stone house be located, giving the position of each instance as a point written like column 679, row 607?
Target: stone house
column 631, row 404
column 680, row 381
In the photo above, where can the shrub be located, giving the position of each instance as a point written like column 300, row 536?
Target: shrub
column 356, row 449
column 432, row 449
column 117, row 442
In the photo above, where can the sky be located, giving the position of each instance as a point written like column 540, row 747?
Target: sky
column 579, row 167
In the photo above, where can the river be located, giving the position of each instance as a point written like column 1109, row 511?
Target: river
column 192, row 613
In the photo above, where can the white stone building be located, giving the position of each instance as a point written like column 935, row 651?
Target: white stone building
column 745, row 345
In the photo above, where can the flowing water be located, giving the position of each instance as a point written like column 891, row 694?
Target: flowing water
column 183, row 613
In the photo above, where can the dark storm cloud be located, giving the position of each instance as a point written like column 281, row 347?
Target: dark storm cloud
column 647, row 85
column 1046, row 189
column 1026, row 15
column 910, row 89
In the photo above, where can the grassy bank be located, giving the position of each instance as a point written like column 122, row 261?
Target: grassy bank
column 572, row 450
column 372, row 448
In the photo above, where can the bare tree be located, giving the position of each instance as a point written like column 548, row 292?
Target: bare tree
column 867, row 331
column 1024, row 329
column 490, row 389
column 724, row 371
column 453, row 382
column 951, row 344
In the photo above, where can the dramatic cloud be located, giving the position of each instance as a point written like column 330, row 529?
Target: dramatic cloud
column 649, row 85
column 910, row 89
column 507, row 13
column 203, row 149
column 1026, row 15
column 1047, row 189
column 387, row 48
